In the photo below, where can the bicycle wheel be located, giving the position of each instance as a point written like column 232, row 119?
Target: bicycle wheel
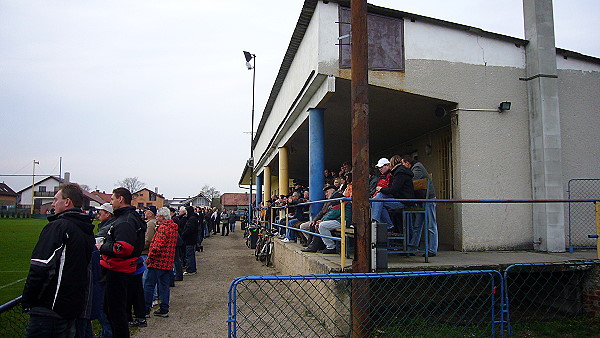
column 269, row 254
column 259, row 246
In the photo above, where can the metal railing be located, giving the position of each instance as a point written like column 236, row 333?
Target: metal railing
column 558, row 295
column 546, row 299
column 13, row 321
column 581, row 216
column 595, row 214
column 432, row 303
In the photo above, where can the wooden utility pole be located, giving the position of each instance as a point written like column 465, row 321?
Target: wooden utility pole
column 361, row 212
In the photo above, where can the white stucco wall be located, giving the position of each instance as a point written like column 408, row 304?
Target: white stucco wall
column 305, row 61
column 425, row 41
column 579, row 104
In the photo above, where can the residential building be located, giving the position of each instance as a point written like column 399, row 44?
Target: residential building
column 8, row 197
column 147, row 197
column 196, row 201
column 43, row 195
column 236, row 201
column 102, row 195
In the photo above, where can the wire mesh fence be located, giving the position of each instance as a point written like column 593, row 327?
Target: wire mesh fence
column 582, row 218
column 563, row 296
column 431, row 303
column 13, row 321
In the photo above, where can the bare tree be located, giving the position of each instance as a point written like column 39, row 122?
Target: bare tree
column 210, row 192
column 133, row 184
column 85, row 187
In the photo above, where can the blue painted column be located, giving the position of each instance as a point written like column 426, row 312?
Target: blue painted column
column 259, row 192
column 316, row 157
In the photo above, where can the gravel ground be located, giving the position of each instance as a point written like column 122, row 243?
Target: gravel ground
column 198, row 304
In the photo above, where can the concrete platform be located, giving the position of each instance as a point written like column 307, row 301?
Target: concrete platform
column 289, row 259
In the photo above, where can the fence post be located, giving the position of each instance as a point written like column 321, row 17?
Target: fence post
column 343, row 230
column 597, row 207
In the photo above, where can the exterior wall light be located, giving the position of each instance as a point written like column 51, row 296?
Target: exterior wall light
column 504, row 106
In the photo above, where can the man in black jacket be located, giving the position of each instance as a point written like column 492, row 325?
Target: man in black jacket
column 57, row 286
column 400, row 187
column 190, row 238
column 120, row 252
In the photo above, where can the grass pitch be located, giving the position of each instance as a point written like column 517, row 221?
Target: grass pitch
column 17, row 239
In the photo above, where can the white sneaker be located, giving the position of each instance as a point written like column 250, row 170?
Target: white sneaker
column 185, row 273
column 155, row 302
column 286, row 240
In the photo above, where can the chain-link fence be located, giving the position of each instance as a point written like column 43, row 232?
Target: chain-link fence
column 582, row 218
column 12, row 319
column 431, row 303
column 563, row 297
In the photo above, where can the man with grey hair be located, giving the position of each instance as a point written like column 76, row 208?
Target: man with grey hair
column 161, row 257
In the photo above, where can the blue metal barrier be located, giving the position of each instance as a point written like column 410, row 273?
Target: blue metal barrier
column 445, row 302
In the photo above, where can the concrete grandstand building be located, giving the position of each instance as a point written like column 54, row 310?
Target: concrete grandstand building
column 434, row 90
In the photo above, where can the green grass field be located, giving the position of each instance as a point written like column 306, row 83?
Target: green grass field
column 17, row 239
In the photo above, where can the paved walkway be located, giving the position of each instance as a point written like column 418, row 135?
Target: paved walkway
column 198, row 305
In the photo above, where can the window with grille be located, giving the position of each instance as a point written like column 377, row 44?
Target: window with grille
column 445, row 179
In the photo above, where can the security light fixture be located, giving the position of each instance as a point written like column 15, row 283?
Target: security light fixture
column 249, row 56
column 250, row 163
column 504, row 106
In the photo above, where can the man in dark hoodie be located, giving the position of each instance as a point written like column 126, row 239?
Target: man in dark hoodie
column 400, row 187
column 190, row 238
column 58, row 282
column 120, row 252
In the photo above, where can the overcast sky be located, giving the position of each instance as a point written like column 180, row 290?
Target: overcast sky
column 159, row 89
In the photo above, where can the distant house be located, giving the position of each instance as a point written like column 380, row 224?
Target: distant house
column 196, row 201
column 43, row 195
column 102, row 195
column 146, row 198
column 235, row 201
column 8, row 197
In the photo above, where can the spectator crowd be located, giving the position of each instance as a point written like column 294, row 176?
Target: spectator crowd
column 117, row 275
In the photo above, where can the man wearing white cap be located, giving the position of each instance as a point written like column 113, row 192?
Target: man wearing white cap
column 384, row 168
column 105, row 216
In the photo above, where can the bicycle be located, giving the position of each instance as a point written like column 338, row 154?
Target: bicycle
column 264, row 246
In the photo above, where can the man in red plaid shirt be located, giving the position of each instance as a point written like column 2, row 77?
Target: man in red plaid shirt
column 161, row 257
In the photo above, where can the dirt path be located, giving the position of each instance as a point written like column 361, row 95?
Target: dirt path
column 198, row 305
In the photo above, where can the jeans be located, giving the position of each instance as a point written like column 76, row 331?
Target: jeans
column 190, row 258
column 41, row 326
column 291, row 234
column 200, row 237
column 162, row 278
column 325, row 229
column 225, row 228
column 416, row 228
column 83, row 328
column 103, row 319
column 145, row 275
column 178, row 264
column 379, row 210
column 232, row 226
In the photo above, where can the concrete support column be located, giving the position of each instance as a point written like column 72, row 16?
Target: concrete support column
column 316, row 157
column 259, row 192
column 284, row 181
column 544, row 126
column 267, row 183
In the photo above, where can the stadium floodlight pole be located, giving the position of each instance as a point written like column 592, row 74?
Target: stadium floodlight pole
column 251, row 57
column 33, row 184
